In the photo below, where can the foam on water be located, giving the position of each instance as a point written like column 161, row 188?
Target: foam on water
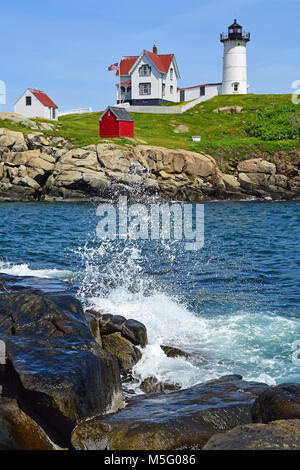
column 24, row 270
column 258, row 346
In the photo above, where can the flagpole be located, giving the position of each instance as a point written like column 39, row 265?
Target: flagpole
column 120, row 81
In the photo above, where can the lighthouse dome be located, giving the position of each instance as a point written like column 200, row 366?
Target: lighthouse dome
column 235, row 31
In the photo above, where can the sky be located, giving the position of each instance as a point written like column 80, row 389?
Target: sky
column 64, row 47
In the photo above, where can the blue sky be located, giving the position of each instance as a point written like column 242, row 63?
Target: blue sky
column 64, row 47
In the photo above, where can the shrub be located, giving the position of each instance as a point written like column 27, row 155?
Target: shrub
column 278, row 122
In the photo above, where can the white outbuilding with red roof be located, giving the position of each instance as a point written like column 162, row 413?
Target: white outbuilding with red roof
column 36, row 103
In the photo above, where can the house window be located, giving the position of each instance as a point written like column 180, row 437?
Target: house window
column 171, row 74
column 163, row 89
column 53, row 113
column 145, row 88
column 171, row 89
column 202, row 91
column 236, row 87
column 28, row 100
column 145, row 71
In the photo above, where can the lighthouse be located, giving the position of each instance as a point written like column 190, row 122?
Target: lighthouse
column 235, row 60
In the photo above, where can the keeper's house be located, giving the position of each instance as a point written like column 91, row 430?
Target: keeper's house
column 116, row 122
column 36, row 103
column 148, row 79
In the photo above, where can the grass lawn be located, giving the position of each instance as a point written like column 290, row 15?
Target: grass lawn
column 219, row 132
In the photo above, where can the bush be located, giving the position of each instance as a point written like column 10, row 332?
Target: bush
column 278, row 122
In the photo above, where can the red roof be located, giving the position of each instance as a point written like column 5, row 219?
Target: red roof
column 126, row 64
column 162, row 62
column 43, row 98
column 126, row 83
column 198, row 86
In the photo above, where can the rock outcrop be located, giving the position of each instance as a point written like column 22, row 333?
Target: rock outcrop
column 153, row 385
column 18, row 431
column 130, row 329
column 279, row 435
column 180, row 419
column 171, row 351
column 35, row 167
column 277, row 403
column 54, row 367
column 127, row 354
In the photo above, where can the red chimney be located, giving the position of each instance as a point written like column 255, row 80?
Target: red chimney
column 155, row 49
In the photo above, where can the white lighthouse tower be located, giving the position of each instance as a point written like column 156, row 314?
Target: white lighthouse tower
column 235, row 60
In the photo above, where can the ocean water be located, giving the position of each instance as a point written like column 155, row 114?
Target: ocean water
column 234, row 305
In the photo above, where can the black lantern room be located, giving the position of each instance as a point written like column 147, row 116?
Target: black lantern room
column 235, row 31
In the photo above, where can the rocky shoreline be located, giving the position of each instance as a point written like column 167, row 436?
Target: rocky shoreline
column 35, row 167
column 61, row 387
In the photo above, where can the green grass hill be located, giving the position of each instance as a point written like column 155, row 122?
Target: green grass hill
column 267, row 123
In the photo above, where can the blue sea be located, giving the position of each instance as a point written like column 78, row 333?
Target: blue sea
column 234, row 304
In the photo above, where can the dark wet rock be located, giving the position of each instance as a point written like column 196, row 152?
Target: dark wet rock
column 130, row 329
column 94, row 327
column 136, row 332
column 166, row 421
column 18, row 431
column 279, row 435
column 170, row 351
column 55, row 369
column 127, row 354
column 153, row 385
column 276, row 403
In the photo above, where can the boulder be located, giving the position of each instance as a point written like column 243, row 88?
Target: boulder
column 37, row 140
column 55, row 369
column 170, row 351
column 279, row 435
column 26, row 181
column 279, row 180
column 248, row 183
column 198, row 165
column 113, row 158
column 46, row 126
column 257, row 165
column 80, row 158
column 181, row 129
column 277, row 403
column 167, row 421
column 94, row 328
column 18, row 431
column 30, row 158
column 177, row 161
column 7, row 141
column 231, row 182
column 153, row 385
column 17, row 136
column 18, row 119
column 130, row 329
column 173, row 162
column 11, row 192
column 127, row 354
column 229, row 110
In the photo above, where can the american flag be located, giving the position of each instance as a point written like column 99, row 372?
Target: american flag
column 114, row 67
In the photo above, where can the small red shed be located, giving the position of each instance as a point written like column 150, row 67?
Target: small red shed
column 116, row 122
